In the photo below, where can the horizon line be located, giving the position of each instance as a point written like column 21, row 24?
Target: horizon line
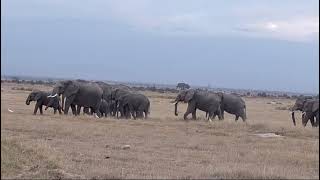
column 152, row 83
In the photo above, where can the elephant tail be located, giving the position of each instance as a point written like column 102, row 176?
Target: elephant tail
column 245, row 111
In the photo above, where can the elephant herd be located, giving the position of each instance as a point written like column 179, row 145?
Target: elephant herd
column 214, row 104
column 102, row 99
column 96, row 98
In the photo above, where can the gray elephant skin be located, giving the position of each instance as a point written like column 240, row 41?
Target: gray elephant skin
column 82, row 94
column 135, row 104
column 309, row 108
column 198, row 100
column 42, row 99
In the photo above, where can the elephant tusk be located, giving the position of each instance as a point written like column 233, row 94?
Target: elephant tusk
column 303, row 113
column 95, row 115
column 53, row 95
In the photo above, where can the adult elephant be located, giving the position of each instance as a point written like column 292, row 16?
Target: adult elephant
column 107, row 89
column 198, row 100
column 233, row 104
column 83, row 94
column 309, row 108
column 43, row 100
column 136, row 104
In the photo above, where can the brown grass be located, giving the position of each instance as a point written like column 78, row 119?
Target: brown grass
column 164, row 146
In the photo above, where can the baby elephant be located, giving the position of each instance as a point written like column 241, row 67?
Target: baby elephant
column 104, row 109
column 43, row 100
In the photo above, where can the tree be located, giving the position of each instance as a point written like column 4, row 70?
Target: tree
column 183, row 86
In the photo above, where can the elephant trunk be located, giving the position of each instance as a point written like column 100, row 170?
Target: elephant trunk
column 293, row 118
column 62, row 103
column 175, row 108
column 49, row 103
column 28, row 101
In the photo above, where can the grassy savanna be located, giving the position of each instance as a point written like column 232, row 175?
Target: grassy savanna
column 163, row 146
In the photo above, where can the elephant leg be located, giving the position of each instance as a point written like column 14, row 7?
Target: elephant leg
column 194, row 115
column 145, row 114
column 317, row 120
column 312, row 121
column 78, row 110
column 74, row 109
column 218, row 113
column 40, row 107
column 59, row 109
column 131, row 111
column 191, row 108
column 68, row 103
column 214, row 116
column 54, row 111
column 128, row 111
column 305, row 119
column 222, row 114
column 36, row 107
column 96, row 110
column 141, row 114
column 210, row 116
column 237, row 117
column 122, row 109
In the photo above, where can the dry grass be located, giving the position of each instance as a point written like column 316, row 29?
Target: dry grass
column 164, row 146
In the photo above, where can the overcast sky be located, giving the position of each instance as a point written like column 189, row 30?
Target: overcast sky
column 265, row 44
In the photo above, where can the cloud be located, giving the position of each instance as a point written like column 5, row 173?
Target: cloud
column 201, row 18
column 294, row 29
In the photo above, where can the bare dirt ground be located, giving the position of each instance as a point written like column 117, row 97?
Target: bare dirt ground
column 163, row 146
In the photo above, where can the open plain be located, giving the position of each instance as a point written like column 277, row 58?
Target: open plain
column 163, row 146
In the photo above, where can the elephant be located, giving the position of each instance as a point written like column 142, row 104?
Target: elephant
column 105, row 108
column 82, row 94
column 43, row 100
column 107, row 89
column 198, row 100
column 233, row 104
column 116, row 95
column 135, row 104
column 310, row 109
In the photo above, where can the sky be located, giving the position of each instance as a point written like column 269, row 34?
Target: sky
column 247, row 44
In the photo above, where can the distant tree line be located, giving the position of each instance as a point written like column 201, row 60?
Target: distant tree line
column 180, row 86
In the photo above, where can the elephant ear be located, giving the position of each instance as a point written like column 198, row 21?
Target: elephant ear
column 71, row 88
column 189, row 95
column 315, row 106
column 37, row 96
column 114, row 93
